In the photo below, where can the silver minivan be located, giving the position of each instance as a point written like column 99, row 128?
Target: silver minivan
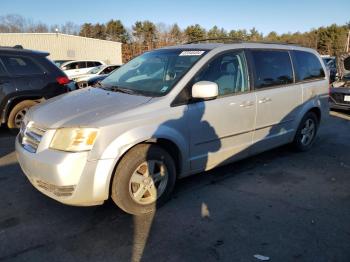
column 170, row 113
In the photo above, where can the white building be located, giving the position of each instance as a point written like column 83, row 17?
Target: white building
column 66, row 47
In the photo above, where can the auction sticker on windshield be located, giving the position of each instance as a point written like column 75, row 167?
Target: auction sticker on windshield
column 191, row 53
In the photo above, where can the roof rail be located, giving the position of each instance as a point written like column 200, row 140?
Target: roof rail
column 229, row 40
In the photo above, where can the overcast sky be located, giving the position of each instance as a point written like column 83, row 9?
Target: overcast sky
column 266, row 15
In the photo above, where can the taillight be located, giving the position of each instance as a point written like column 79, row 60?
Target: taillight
column 62, row 80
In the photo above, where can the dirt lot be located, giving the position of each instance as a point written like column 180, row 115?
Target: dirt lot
column 284, row 205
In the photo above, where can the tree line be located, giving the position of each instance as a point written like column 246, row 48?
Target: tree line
column 146, row 35
column 329, row 40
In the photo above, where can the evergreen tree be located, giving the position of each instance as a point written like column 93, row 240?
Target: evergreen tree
column 195, row 32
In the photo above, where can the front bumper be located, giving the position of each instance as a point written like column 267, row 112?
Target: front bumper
column 69, row 178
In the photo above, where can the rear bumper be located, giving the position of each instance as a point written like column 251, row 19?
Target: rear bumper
column 66, row 177
column 334, row 105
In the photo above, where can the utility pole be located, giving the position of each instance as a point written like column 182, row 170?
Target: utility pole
column 347, row 42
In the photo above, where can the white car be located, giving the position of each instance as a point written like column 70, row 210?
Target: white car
column 73, row 68
column 98, row 70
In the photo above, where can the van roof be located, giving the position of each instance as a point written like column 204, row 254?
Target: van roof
column 236, row 45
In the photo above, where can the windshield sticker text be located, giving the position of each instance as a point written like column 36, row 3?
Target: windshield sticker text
column 191, row 53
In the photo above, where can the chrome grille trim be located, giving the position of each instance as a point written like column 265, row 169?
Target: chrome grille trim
column 30, row 136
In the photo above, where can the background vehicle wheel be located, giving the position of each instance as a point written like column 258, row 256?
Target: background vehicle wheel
column 17, row 114
column 306, row 133
column 144, row 179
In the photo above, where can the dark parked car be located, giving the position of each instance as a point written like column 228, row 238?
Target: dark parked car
column 340, row 98
column 26, row 78
column 339, row 95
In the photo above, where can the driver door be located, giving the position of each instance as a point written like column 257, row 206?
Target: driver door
column 221, row 130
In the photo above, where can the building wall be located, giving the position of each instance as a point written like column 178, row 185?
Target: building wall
column 66, row 47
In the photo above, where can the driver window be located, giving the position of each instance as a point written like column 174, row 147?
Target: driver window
column 229, row 71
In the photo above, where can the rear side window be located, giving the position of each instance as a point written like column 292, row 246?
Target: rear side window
column 82, row 65
column 272, row 68
column 91, row 64
column 307, row 66
column 18, row 65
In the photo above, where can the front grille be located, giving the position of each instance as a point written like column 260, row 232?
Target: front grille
column 30, row 136
column 339, row 98
column 60, row 191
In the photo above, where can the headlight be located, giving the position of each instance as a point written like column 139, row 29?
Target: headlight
column 74, row 139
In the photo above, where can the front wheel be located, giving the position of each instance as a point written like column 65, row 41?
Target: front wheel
column 144, row 179
column 17, row 114
column 306, row 133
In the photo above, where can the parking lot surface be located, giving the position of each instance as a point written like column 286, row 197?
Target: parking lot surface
column 284, row 205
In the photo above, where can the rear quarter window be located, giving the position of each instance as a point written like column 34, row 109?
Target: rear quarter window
column 18, row 65
column 92, row 63
column 272, row 68
column 307, row 66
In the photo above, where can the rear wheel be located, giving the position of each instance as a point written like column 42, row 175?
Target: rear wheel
column 144, row 179
column 306, row 133
column 17, row 114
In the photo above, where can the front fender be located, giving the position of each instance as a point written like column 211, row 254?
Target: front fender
column 124, row 142
column 132, row 137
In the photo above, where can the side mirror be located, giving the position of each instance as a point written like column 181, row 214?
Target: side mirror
column 205, row 90
column 64, row 68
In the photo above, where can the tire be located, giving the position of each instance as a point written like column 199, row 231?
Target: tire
column 133, row 190
column 306, row 132
column 17, row 114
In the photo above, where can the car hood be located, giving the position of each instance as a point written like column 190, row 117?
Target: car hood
column 83, row 107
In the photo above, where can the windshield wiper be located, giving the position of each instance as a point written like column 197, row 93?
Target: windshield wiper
column 120, row 89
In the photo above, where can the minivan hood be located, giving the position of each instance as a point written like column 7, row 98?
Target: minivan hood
column 83, row 107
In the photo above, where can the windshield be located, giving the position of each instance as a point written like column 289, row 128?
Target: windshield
column 154, row 73
column 95, row 70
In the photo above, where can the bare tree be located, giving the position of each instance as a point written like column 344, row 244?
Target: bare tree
column 12, row 23
column 70, row 28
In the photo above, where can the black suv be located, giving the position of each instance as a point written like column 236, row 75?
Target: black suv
column 26, row 78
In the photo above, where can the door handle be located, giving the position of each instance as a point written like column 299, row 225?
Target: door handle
column 264, row 100
column 246, row 104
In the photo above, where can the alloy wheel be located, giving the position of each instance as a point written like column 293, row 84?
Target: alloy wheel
column 308, row 132
column 148, row 182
